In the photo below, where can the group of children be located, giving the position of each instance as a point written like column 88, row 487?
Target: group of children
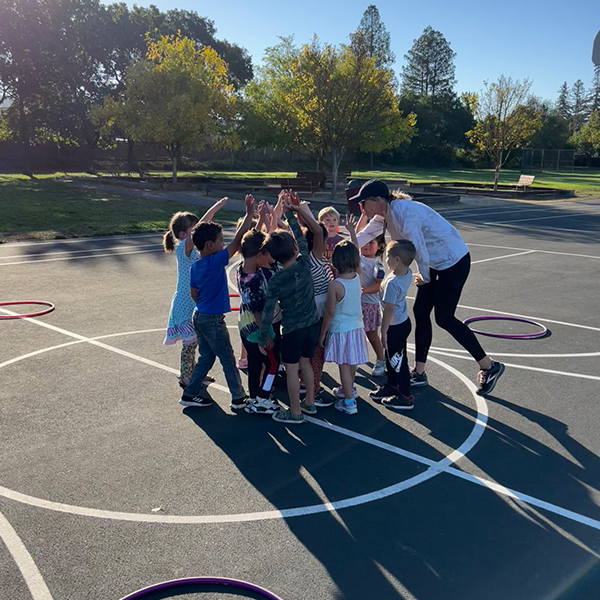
column 307, row 296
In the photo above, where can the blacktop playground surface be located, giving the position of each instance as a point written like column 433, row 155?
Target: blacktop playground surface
column 108, row 486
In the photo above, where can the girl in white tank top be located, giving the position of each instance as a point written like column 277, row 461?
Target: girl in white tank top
column 342, row 331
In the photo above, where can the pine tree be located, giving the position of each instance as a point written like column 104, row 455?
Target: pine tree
column 595, row 91
column 580, row 105
column 429, row 68
column 563, row 104
column 372, row 38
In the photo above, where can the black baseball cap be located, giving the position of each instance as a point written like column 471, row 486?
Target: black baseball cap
column 374, row 188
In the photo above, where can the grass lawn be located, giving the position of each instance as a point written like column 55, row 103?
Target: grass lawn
column 582, row 179
column 46, row 209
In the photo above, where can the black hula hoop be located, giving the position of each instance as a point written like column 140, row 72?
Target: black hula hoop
column 224, row 581
column 509, row 336
column 28, row 315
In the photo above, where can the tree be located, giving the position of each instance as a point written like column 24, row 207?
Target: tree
column 504, row 120
column 178, row 96
column 372, row 38
column 429, row 68
column 563, row 104
column 595, row 91
column 587, row 139
column 554, row 129
column 579, row 105
column 51, row 52
column 323, row 100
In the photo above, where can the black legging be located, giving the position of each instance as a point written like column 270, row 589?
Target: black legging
column 443, row 293
column 261, row 370
column 396, row 359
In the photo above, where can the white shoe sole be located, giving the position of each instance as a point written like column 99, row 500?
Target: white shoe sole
column 192, row 403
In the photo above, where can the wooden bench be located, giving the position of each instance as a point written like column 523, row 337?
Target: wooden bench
column 317, row 178
column 524, row 181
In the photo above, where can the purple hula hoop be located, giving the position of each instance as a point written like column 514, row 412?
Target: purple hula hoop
column 245, row 585
column 509, row 336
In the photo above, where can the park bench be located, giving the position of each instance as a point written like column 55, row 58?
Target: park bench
column 317, row 178
column 303, row 182
column 525, row 181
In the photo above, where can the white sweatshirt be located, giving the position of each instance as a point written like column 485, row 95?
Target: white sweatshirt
column 438, row 243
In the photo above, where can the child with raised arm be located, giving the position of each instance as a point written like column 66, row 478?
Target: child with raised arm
column 292, row 287
column 178, row 239
column 208, row 287
column 342, row 330
column 395, row 327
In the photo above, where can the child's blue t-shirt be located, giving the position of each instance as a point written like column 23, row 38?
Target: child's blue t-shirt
column 209, row 278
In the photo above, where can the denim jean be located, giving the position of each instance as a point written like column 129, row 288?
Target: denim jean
column 213, row 342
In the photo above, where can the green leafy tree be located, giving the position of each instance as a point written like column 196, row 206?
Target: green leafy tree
column 429, row 68
column 177, row 97
column 504, row 120
column 587, row 139
column 324, row 100
column 554, row 129
column 595, row 91
column 372, row 38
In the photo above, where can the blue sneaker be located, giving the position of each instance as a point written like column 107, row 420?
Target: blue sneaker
column 348, row 407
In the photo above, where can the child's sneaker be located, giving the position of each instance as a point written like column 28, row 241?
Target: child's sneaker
column 283, row 415
column 238, row 403
column 487, row 379
column 338, row 392
column 199, row 401
column 348, row 407
column 418, row 380
column 383, row 391
column 322, row 399
column 261, row 406
column 399, row 402
column 379, row 368
column 308, row 410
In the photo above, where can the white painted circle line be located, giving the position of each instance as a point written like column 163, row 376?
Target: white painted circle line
column 518, row 355
column 31, row 574
column 435, row 468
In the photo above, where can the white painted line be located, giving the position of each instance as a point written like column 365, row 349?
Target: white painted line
column 31, row 574
column 476, row 262
column 565, row 216
column 501, row 212
column 526, row 498
column 132, row 236
column 69, row 252
column 43, row 260
column 521, row 355
column 540, row 251
column 524, row 367
column 556, row 229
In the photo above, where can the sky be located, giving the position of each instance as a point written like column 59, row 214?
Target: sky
column 547, row 41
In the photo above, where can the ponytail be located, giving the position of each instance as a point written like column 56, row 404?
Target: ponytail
column 399, row 195
column 169, row 241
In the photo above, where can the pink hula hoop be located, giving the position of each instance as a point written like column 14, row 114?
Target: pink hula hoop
column 509, row 336
column 224, row 581
column 28, row 315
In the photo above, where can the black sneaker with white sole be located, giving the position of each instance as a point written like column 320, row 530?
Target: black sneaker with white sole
column 488, row 379
column 200, row 401
column 322, row 399
column 418, row 379
column 398, row 402
column 384, row 391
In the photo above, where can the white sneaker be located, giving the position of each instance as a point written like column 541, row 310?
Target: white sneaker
column 261, row 406
column 348, row 407
column 338, row 392
column 379, row 368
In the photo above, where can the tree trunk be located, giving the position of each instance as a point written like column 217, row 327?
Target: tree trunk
column 24, row 139
column 336, row 159
column 130, row 155
column 497, row 172
column 371, row 157
column 179, row 159
column 174, row 148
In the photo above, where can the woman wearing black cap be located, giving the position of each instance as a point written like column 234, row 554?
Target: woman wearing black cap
column 444, row 262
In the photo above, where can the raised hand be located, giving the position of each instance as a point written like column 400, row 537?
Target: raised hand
column 249, row 202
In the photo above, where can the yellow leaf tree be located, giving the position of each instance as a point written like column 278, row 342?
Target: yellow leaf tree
column 179, row 96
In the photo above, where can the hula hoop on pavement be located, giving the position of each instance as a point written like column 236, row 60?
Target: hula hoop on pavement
column 28, row 315
column 234, row 296
column 223, row 581
column 509, row 336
